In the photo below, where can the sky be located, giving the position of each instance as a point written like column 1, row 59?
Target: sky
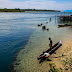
column 37, row 4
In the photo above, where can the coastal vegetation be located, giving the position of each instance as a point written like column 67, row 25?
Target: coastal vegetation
column 23, row 10
column 11, row 10
column 54, row 69
column 40, row 10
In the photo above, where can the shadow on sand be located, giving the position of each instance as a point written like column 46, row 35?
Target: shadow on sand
column 59, row 56
column 44, row 59
column 47, row 59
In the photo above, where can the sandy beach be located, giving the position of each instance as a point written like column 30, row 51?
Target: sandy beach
column 62, row 60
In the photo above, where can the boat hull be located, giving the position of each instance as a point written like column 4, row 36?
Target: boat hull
column 50, row 51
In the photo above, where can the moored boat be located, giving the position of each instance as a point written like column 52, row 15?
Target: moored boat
column 50, row 51
column 63, row 25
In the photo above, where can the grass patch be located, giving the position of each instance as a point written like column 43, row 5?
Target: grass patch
column 61, row 69
column 53, row 68
column 62, row 54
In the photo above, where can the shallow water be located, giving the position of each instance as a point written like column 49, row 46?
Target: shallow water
column 20, row 31
column 38, row 42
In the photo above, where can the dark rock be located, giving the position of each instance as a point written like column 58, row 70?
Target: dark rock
column 39, row 25
column 47, row 29
column 66, row 68
column 46, row 22
column 11, row 68
column 70, row 64
column 16, row 63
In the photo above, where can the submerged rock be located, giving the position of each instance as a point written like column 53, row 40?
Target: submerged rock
column 46, row 22
column 47, row 29
column 66, row 68
column 39, row 25
column 16, row 63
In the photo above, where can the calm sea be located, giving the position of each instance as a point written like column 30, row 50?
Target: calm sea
column 16, row 30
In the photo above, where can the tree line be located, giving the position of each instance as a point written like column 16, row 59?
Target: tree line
column 23, row 10
column 11, row 10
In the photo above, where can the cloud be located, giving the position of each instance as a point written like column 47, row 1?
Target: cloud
column 37, row 4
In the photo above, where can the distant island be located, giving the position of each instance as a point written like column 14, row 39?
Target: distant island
column 41, row 10
column 11, row 10
column 23, row 10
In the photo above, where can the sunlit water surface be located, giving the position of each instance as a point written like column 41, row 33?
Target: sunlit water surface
column 20, row 31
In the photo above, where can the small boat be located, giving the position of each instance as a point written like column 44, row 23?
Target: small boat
column 63, row 25
column 50, row 51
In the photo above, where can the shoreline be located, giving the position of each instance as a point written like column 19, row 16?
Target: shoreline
column 64, row 54
column 21, row 12
column 26, row 12
column 11, row 67
column 29, row 63
column 57, row 59
column 27, row 59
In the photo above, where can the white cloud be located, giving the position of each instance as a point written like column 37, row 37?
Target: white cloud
column 3, row 0
column 37, row 4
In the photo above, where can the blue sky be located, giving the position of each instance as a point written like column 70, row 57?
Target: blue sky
column 37, row 4
column 47, row 0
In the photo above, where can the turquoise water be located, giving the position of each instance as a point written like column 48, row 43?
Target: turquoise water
column 19, row 30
